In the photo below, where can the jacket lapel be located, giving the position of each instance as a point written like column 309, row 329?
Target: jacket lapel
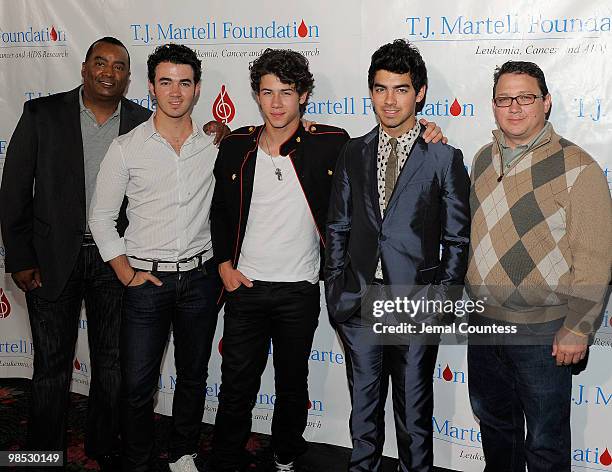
column 413, row 164
column 70, row 117
column 127, row 120
column 247, row 175
column 370, row 155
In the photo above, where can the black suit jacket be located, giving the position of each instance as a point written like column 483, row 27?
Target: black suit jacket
column 313, row 154
column 42, row 196
column 429, row 208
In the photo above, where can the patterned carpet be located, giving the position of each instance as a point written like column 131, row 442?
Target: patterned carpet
column 14, row 397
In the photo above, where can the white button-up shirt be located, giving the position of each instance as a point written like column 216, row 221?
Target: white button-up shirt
column 169, row 195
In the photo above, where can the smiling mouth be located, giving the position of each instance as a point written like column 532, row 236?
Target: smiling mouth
column 106, row 84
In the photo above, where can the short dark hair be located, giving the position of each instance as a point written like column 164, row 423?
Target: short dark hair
column 400, row 57
column 176, row 54
column 108, row 40
column 289, row 66
column 521, row 67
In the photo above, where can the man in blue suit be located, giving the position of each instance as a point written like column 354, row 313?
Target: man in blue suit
column 395, row 200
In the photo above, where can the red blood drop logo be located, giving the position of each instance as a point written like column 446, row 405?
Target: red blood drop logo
column 53, row 34
column 223, row 108
column 220, row 347
column 447, row 374
column 455, row 108
column 309, row 404
column 5, row 305
column 611, row 321
column 605, row 458
column 77, row 364
column 303, row 29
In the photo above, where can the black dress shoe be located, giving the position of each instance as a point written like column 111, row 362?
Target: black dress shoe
column 109, row 463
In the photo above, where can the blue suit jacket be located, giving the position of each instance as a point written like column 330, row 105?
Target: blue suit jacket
column 429, row 208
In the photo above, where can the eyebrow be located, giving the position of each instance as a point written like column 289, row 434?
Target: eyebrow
column 101, row 58
column 180, row 80
column 394, row 86
column 522, row 92
column 264, row 89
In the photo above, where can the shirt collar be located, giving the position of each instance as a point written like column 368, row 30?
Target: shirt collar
column 84, row 109
column 544, row 132
column 402, row 141
column 151, row 131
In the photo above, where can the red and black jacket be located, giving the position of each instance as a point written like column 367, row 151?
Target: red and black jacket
column 313, row 154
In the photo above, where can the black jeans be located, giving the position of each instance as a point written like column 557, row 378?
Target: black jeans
column 188, row 301
column 287, row 313
column 55, row 327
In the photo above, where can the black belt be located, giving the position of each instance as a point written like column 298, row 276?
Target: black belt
column 88, row 240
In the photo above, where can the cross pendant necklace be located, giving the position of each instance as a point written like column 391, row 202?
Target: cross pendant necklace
column 277, row 171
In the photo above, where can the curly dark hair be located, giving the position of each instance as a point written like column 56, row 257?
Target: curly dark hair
column 107, row 40
column 289, row 66
column 521, row 67
column 400, row 57
column 176, row 54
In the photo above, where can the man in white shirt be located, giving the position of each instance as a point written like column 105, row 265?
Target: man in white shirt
column 165, row 261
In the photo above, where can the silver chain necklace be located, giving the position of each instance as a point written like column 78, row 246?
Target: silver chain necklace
column 277, row 170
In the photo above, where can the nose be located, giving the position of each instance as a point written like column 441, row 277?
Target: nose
column 276, row 100
column 175, row 89
column 390, row 97
column 107, row 69
column 515, row 107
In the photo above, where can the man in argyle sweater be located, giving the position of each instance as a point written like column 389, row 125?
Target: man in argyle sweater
column 540, row 257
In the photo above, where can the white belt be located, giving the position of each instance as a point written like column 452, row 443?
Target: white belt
column 165, row 266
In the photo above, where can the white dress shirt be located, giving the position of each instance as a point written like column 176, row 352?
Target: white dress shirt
column 169, row 195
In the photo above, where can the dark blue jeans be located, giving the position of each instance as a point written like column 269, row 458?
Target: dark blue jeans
column 55, row 327
column 188, row 302
column 513, row 384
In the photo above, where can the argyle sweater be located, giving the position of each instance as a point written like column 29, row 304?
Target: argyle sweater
column 541, row 238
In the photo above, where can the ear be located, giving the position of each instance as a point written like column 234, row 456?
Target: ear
column 83, row 70
column 198, row 87
column 547, row 103
column 303, row 98
column 421, row 95
column 151, row 89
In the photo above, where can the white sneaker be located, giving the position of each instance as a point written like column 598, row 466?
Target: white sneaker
column 185, row 464
column 278, row 467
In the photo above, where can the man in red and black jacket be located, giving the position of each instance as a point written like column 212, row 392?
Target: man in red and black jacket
column 268, row 219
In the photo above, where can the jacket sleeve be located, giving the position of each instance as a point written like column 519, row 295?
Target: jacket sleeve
column 455, row 218
column 16, row 194
column 338, row 219
column 220, row 224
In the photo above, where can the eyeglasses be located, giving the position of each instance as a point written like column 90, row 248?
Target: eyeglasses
column 525, row 99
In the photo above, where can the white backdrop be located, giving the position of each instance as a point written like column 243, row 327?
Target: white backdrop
column 42, row 45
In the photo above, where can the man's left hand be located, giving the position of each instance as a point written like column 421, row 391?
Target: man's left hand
column 220, row 130
column 569, row 348
column 432, row 133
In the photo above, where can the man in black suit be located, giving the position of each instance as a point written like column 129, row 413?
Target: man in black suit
column 55, row 151
column 49, row 176
column 395, row 199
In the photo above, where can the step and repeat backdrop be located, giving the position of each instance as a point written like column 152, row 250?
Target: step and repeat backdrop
column 42, row 45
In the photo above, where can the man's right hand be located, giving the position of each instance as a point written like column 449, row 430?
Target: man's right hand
column 232, row 278
column 28, row 279
column 141, row 277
